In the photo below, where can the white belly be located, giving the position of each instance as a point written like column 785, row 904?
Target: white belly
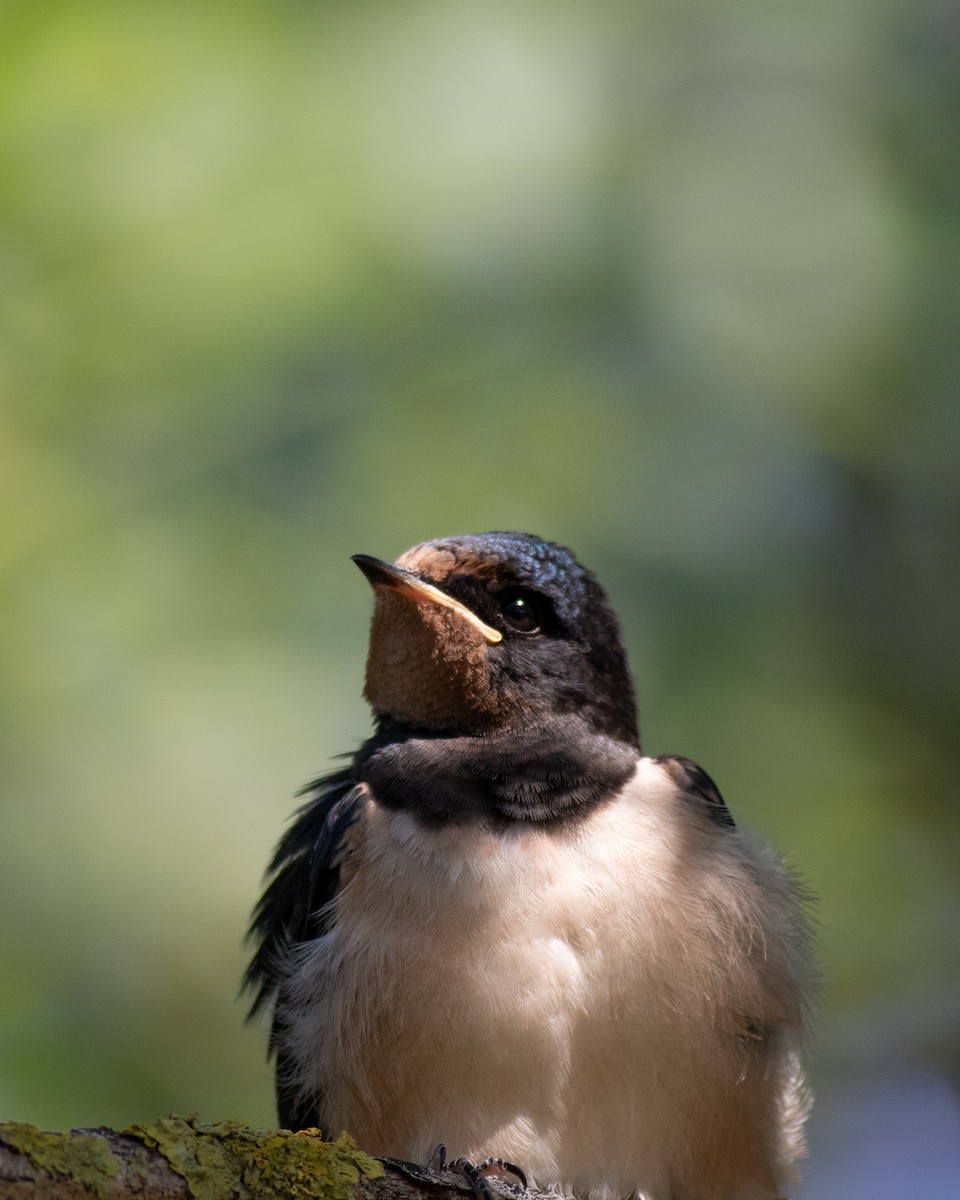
column 555, row 998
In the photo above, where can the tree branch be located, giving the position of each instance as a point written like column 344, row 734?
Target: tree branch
column 179, row 1158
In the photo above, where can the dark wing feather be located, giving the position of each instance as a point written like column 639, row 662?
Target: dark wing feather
column 698, row 787
column 304, row 876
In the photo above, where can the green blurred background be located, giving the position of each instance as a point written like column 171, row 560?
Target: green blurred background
column 675, row 283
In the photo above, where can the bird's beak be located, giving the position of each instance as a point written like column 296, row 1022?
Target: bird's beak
column 405, row 583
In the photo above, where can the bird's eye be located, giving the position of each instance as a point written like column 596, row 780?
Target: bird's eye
column 520, row 612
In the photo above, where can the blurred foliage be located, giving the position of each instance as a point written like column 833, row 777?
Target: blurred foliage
column 673, row 283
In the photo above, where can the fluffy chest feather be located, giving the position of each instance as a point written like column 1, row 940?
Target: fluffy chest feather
column 561, row 998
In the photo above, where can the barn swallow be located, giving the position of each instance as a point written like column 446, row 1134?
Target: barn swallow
column 502, row 927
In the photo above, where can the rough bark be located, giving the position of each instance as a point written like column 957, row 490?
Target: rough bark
column 182, row 1159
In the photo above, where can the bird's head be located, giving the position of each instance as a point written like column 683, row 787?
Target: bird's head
column 495, row 632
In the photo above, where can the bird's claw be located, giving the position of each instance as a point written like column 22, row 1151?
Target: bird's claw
column 476, row 1173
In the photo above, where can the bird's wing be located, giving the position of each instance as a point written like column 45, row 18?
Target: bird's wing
column 784, row 969
column 696, row 786
column 303, row 878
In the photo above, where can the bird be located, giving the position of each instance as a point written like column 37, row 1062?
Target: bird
column 503, row 927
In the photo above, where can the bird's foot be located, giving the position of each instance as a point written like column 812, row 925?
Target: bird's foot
column 476, row 1173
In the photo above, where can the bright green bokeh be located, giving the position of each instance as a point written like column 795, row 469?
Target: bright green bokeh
column 675, row 284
